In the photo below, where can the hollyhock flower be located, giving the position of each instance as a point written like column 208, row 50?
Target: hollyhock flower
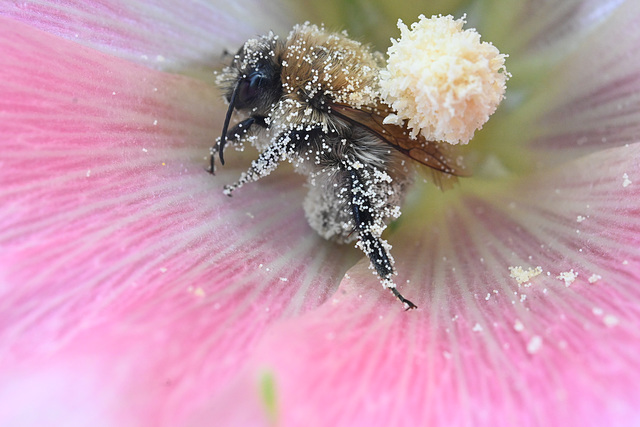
column 133, row 292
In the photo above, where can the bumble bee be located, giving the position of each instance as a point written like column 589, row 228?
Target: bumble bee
column 313, row 99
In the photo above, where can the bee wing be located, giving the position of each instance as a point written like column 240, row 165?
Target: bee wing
column 439, row 156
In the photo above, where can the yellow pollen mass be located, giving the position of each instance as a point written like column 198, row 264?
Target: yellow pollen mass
column 442, row 80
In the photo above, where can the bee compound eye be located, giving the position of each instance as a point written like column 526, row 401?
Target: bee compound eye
column 250, row 88
column 256, row 80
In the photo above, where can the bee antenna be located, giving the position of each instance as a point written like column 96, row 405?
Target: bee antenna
column 227, row 119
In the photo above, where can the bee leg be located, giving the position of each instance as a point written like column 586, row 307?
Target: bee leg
column 212, row 152
column 371, row 243
column 236, row 133
column 241, row 129
column 266, row 163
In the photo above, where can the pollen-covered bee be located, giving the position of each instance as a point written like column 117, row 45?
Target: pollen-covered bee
column 313, row 99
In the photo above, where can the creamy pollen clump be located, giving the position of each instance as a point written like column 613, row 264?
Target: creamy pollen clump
column 442, row 79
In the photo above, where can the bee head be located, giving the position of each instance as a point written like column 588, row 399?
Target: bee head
column 253, row 81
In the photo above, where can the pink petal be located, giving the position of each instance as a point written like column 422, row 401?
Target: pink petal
column 575, row 82
column 541, row 26
column 481, row 349
column 126, row 275
column 595, row 103
column 167, row 35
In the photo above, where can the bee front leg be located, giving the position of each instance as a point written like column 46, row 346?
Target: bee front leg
column 241, row 129
column 236, row 133
column 376, row 248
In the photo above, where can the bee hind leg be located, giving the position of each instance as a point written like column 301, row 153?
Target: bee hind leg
column 376, row 248
column 408, row 305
